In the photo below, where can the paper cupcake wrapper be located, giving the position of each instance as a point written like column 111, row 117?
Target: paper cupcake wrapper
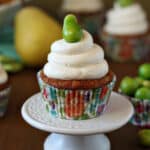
column 4, row 96
column 124, row 49
column 75, row 104
column 141, row 116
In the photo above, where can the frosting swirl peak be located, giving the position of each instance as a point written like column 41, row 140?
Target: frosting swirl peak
column 126, row 20
column 80, row 60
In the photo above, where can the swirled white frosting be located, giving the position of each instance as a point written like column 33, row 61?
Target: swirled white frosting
column 80, row 60
column 82, row 5
column 126, row 20
column 3, row 75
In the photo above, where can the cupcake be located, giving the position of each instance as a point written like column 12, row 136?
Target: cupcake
column 4, row 91
column 90, row 15
column 76, row 82
column 137, row 91
column 141, row 116
column 126, row 35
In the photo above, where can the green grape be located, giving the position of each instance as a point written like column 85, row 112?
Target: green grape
column 72, row 31
column 125, row 3
column 13, row 67
column 128, row 86
column 142, row 82
column 139, row 81
column 144, row 137
column 144, row 71
column 146, row 83
column 143, row 93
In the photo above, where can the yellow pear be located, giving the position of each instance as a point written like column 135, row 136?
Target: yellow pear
column 34, row 33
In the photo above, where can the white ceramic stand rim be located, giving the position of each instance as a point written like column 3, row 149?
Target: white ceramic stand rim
column 118, row 112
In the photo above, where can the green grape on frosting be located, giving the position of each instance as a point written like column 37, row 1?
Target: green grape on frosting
column 125, row 3
column 72, row 32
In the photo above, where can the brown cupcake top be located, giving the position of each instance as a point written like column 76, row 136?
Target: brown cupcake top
column 78, row 84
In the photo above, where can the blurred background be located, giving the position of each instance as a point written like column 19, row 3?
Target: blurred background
column 21, row 28
column 52, row 6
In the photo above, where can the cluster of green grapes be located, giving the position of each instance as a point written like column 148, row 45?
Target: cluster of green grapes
column 138, row 87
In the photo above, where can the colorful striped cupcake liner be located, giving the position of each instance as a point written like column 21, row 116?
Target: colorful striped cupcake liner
column 4, row 96
column 141, row 115
column 126, row 48
column 75, row 104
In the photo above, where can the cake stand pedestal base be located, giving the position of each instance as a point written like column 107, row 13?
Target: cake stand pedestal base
column 71, row 142
column 81, row 134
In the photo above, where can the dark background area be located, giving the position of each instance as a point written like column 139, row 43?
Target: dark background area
column 53, row 6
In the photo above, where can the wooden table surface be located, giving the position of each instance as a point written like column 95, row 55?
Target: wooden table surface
column 16, row 134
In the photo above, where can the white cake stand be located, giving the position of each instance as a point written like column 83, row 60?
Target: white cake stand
column 78, row 135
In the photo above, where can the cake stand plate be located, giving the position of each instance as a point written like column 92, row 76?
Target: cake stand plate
column 78, row 135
